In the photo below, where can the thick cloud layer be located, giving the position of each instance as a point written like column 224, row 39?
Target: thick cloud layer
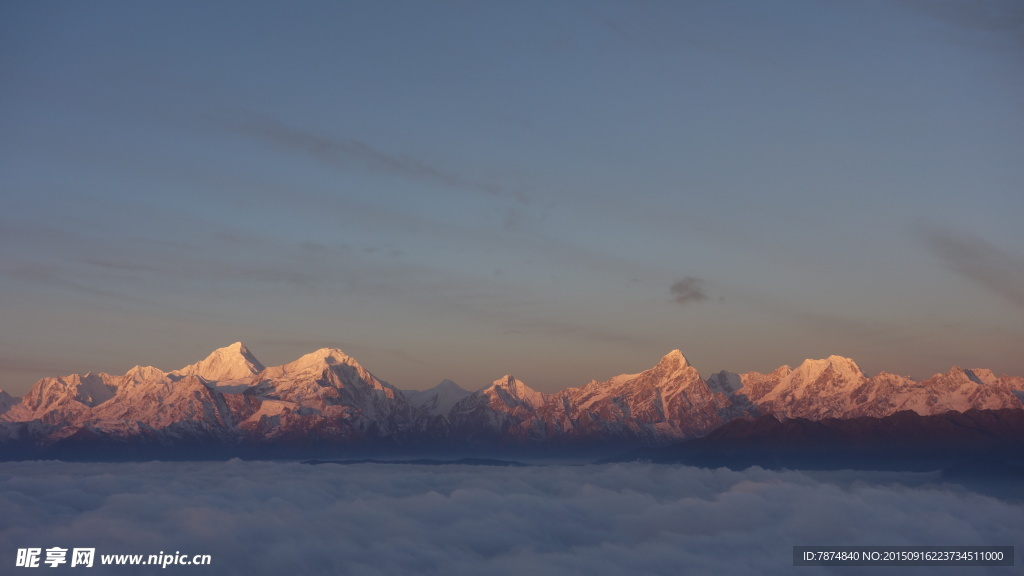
column 375, row 519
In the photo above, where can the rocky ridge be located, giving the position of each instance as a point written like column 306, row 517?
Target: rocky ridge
column 326, row 398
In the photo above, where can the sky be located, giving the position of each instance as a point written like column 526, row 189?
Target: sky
column 372, row 520
column 563, row 191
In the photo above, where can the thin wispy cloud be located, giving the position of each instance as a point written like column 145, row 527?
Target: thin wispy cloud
column 974, row 258
column 347, row 153
column 1000, row 16
column 689, row 289
column 51, row 276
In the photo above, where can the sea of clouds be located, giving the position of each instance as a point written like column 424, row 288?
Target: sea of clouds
column 390, row 519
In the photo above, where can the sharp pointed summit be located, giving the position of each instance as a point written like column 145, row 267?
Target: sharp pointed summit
column 447, row 384
column 514, row 389
column 674, row 360
column 233, row 362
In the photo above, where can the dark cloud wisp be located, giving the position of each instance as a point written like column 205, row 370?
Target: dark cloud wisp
column 687, row 290
column 974, row 258
column 347, row 153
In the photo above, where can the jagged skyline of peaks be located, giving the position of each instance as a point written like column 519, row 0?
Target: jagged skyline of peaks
column 231, row 400
column 236, row 362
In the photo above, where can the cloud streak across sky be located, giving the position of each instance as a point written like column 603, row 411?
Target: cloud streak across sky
column 272, row 518
column 972, row 257
column 349, row 153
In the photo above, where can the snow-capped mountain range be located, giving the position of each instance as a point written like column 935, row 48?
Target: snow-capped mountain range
column 326, row 398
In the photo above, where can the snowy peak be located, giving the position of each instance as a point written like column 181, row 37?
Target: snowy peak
column 319, row 360
column 979, row 376
column 836, row 387
column 508, row 388
column 233, row 362
column 672, row 366
column 673, row 361
column 507, row 382
column 812, row 369
column 982, row 376
column 139, row 374
column 313, row 366
column 437, row 400
column 447, row 388
column 327, row 377
column 63, row 398
column 326, row 396
column 669, row 401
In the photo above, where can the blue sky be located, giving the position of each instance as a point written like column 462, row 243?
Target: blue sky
column 558, row 190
